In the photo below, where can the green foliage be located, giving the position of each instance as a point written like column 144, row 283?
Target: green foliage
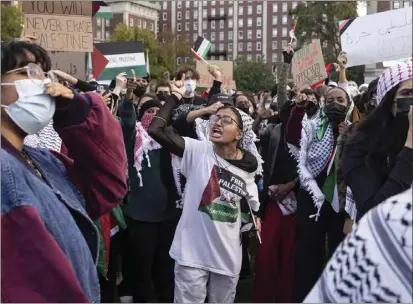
column 11, row 22
column 252, row 76
column 162, row 52
column 319, row 19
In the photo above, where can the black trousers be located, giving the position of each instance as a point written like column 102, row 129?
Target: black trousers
column 150, row 274
column 310, row 241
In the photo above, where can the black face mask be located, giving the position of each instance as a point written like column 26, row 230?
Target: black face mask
column 140, row 90
column 162, row 96
column 336, row 113
column 403, row 106
column 246, row 110
column 311, row 109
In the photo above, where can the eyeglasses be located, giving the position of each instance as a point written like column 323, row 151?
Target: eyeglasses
column 34, row 72
column 225, row 120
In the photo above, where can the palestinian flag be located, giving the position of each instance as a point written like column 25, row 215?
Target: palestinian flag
column 121, row 57
column 201, row 48
column 101, row 10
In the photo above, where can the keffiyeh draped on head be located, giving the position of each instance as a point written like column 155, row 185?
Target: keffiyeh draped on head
column 392, row 77
column 143, row 144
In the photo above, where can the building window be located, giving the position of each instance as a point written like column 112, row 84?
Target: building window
column 212, row 57
column 285, row 7
column 240, row 10
column 259, row 9
column 212, row 36
column 144, row 24
column 294, row 5
column 221, row 46
column 221, row 11
column 240, row 34
column 230, row 23
column 195, row 3
column 249, row 9
column 179, row 27
column 130, row 21
column 213, row 24
column 259, row 34
column 230, row 47
column 195, row 14
column 139, row 23
column 221, row 24
column 151, row 26
column 165, row 16
column 407, row 4
column 285, row 18
column 240, row 46
column 204, row 3
column 275, row 7
column 249, row 57
column 204, row 13
column 107, row 35
column 396, row 4
column 204, row 25
column 107, row 22
column 178, row 61
column 187, row 4
column 164, row 26
column 284, row 33
column 187, row 14
column 195, row 26
column 258, row 57
column 241, row 22
column 165, row 5
column 284, row 44
column 230, row 11
column 274, row 32
column 258, row 46
column 274, row 57
column 249, row 46
column 186, row 26
column 249, row 22
column 259, row 21
column 249, row 34
column 98, row 34
column 230, row 57
column 221, row 36
column 179, row 4
column 179, row 16
column 274, row 45
column 274, row 20
column 194, row 37
column 213, row 12
column 212, row 47
column 205, row 35
column 99, row 21
column 213, row 2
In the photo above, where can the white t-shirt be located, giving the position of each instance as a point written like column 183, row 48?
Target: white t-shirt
column 208, row 233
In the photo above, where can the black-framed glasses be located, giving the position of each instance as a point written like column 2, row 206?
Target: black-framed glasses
column 225, row 120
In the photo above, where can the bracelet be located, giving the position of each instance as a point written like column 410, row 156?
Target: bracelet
column 161, row 118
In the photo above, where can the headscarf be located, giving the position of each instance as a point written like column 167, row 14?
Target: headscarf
column 392, row 77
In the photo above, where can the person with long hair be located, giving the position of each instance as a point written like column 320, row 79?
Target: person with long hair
column 319, row 213
column 49, row 242
column 220, row 186
column 377, row 160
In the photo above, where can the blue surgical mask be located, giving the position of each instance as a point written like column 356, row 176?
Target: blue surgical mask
column 34, row 109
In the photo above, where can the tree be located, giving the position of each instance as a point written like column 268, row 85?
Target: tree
column 252, row 76
column 11, row 22
column 319, row 20
column 162, row 52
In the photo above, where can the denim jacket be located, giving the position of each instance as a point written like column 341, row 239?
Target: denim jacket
column 49, row 241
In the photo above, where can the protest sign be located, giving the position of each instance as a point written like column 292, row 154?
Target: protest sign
column 206, row 79
column 378, row 37
column 308, row 65
column 59, row 25
column 72, row 63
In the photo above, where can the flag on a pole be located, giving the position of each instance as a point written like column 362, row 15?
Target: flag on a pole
column 148, row 70
column 292, row 32
column 101, row 10
column 201, row 48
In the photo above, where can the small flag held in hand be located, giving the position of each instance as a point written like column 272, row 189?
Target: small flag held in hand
column 292, row 32
column 201, row 48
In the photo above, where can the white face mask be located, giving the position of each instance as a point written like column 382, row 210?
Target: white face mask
column 190, row 86
column 34, row 109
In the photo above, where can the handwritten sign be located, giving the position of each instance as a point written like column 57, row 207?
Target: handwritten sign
column 378, row 37
column 59, row 25
column 308, row 65
column 206, row 79
column 72, row 63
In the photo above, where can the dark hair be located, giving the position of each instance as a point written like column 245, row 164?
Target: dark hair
column 185, row 70
column 310, row 92
column 321, row 90
column 163, row 84
column 146, row 95
column 378, row 133
column 236, row 112
column 341, row 89
column 14, row 55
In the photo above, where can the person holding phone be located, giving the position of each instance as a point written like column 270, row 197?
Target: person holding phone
column 377, row 160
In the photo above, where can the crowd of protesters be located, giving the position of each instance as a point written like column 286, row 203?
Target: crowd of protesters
column 118, row 194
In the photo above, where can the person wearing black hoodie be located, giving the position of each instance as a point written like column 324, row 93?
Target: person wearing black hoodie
column 151, row 210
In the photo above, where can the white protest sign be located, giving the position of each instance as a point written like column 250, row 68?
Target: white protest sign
column 378, row 37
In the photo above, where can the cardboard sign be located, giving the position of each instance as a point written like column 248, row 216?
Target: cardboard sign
column 72, row 63
column 206, row 78
column 378, row 37
column 60, row 25
column 308, row 65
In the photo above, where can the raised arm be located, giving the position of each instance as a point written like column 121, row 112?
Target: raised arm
column 288, row 54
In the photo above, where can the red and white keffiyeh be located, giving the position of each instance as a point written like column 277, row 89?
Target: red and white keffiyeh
column 392, row 77
column 143, row 144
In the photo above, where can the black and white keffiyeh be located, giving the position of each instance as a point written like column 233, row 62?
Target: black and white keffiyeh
column 374, row 263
